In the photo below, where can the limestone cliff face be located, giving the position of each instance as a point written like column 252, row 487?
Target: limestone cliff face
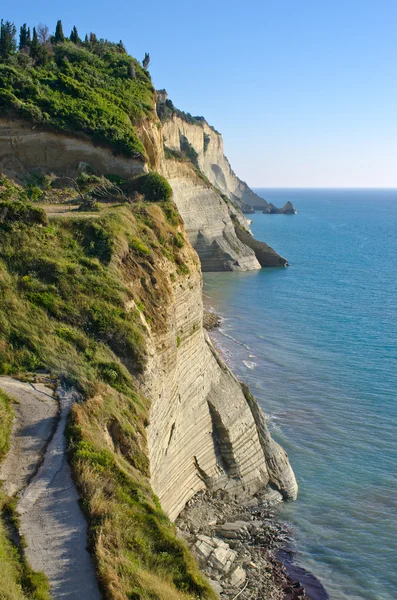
column 208, row 221
column 205, row 430
column 211, row 160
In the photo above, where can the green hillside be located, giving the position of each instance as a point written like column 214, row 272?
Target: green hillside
column 92, row 86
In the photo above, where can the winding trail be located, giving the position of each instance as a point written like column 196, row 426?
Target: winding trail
column 50, row 516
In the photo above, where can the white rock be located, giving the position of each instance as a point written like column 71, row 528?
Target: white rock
column 237, row 577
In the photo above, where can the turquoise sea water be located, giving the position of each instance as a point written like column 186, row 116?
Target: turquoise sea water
column 317, row 343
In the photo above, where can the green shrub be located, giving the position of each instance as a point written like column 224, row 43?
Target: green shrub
column 12, row 212
column 153, row 186
column 96, row 241
column 137, row 245
column 178, row 240
column 171, row 213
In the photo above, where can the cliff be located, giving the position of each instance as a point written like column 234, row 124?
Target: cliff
column 108, row 302
column 203, row 433
column 208, row 149
column 112, row 303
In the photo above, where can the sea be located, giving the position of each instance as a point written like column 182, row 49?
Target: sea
column 317, row 343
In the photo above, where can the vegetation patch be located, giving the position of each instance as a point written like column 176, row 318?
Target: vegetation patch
column 188, row 151
column 67, row 84
column 153, row 186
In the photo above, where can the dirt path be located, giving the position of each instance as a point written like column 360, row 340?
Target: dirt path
column 67, row 211
column 35, row 412
column 50, row 516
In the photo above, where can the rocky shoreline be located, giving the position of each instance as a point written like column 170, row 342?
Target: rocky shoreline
column 244, row 550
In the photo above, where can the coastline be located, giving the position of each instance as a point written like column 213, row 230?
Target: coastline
column 276, row 558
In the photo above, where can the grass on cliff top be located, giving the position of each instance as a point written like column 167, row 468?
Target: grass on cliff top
column 72, row 295
column 18, row 581
column 92, row 88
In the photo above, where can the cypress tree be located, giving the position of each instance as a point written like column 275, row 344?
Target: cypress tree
column 24, row 36
column 74, row 36
column 121, row 47
column 59, row 37
column 8, row 43
column 34, row 46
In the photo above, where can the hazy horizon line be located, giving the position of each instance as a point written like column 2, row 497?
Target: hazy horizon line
column 303, row 187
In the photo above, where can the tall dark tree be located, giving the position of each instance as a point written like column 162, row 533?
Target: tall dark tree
column 146, row 60
column 93, row 39
column 8, row 44
column 59, row 37
column 24, row 36
column 121, row 47
column 74, row 36
column 34, row 45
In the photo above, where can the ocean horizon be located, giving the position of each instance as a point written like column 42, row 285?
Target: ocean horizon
column 317, row 343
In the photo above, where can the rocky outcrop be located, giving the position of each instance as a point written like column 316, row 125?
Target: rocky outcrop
column 287, row 209
column 211, row 320
column 203, row 432
column 265, row 255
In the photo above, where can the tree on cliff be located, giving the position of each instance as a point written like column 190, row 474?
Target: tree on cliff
column 8, row 43
column 121, row 47
column 24, row 37
column 74, row 36
column 34, row 45
column 41, row 48
column 146, row 60
column 59, row 37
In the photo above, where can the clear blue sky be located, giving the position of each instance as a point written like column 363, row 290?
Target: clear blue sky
column 304, row 92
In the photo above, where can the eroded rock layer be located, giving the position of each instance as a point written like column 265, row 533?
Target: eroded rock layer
column 203, row 432
column 24, row 148
column 208, row 221
column 208, row 144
